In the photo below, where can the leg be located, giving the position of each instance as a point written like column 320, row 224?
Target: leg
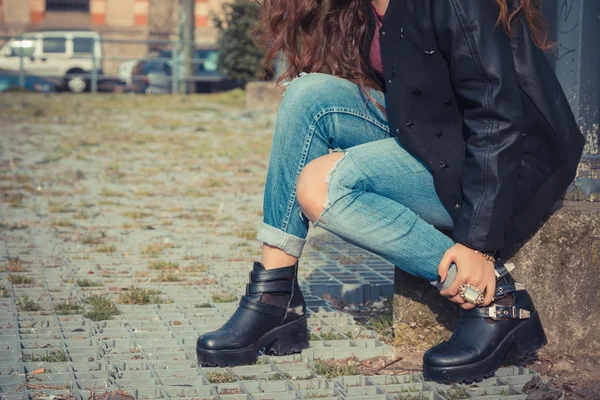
column 380, row 198
column 319, row 112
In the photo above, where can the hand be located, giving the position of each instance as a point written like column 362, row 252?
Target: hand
column 471, row 268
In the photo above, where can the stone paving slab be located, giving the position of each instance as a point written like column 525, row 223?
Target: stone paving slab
column 155, row 210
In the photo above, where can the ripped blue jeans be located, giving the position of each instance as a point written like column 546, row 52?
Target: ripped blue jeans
column 380, row 197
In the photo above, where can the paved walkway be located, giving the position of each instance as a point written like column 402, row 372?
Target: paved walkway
column 127, row 229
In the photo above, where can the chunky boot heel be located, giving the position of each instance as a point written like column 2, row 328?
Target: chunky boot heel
column 485, row 335
column 291, row 339
column 530, row 337
column 271, row 315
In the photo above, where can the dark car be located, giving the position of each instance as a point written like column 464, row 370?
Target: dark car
column 9, row 80
column 155, row 75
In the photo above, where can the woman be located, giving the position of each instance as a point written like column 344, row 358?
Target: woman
column 441, row 114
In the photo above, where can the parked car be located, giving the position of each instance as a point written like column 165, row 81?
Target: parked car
column 65, row 54
column 9, row 80
column 152, row 76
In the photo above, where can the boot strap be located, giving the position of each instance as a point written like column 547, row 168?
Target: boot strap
column 497, row 312
column 270, row 287
column 264, row 308
column 503, row 269
column 273, row 274
column 503, row 290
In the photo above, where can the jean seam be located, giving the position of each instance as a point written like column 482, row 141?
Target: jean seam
column 308, row 140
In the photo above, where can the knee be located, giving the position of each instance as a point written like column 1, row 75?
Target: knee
column 304, row 90
column 311, row 187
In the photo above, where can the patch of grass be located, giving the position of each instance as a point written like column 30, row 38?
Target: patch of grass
column 203, row 305
column 331, row 336
column 195, row 268
column 54, row 356
column 59, row 207
column 15, row 200
column 279, row 377
column 221, row 377
column 162, row 265
column 91, row 240
column 382, row 324
column 67, row 308
column 15, row 265
column 141, row 274
column 136, row 295
column 88, row 283
column 155, row 248
column 248, row 234
column 224, row 297
column 110, row 193
column 168, row 277
column 24, row 304
column 335, row 368
column 20, row 279
column 106, row 249
column 100, row 308
column 4, row 293
column 63, row 223
column 456, row 393
column 135, row 214
column 232, row 98
column 313, row 337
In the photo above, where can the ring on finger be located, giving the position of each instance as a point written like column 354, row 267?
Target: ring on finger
column 471, row 294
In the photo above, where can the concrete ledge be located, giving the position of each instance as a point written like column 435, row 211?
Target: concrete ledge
column 560, row 265
column 263, row 96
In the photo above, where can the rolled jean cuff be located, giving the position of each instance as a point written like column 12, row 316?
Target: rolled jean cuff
column 449, row 279
column 290, row 244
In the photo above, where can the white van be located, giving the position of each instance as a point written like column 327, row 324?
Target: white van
column 64, row 54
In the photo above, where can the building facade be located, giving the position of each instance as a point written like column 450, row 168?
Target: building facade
column 123, row 20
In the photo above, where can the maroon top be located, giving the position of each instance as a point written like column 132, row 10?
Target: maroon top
column 375, row 54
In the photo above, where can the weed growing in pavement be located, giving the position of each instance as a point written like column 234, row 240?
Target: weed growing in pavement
column 67, row 308
column 135, row 214
column 136, row 295
column 106, row 249
column 456, row 393
column 382, row 324
column 248, row 234
column 195, row 268
column 15, row 265
column 168, row 277
column 15, row 200
column 20, row 280
column 110, row 193
column 203, row 305
column 155, row 248
column 63, row 223
column 278, row 377
column 224, row 297
column 88, row 283
column 59, row 207
column 331, row 336
column 4, row 293
column 100, row 308
column 221, row 377
column 54, row 356
column 24, row 304
column 162, row 265
column 335, row 368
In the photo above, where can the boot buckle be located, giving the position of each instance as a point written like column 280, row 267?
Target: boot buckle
column 502, row 312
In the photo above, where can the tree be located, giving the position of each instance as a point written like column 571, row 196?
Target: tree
column 239, row 56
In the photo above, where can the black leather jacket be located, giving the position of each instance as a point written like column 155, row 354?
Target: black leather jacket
column 485, row 112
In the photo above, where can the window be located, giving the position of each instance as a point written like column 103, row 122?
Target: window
column 68, row 5
column 55, row 45
column 23, row 48
column 83, row 45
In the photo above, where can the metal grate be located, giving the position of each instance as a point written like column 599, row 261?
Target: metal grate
column 68, row 5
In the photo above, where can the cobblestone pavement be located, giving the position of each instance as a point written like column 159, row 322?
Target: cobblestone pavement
column 127, row 229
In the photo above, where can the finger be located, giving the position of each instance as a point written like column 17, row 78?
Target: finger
column 445, row 263
column 457, row 299
column 468, row 306
column 453, row 289
column 490, row 290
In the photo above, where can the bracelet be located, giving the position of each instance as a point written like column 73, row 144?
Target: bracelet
column 486, row 256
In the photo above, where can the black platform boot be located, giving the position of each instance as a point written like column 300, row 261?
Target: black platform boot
column 272, row 315
column 484, row 335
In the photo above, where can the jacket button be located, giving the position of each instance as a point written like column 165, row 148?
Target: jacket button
column 410, row 124
column 389, row 81
column 524, row 135
column 443, row 166
column 457, row 206
column 439, row 133
column 382, row 32
column 429, row 53
column 401, row 33
column 397, row 131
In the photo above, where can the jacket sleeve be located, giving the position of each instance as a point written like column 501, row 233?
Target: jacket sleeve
column 484, row 79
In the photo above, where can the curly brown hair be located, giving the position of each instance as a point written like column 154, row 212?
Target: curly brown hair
column 299, row 29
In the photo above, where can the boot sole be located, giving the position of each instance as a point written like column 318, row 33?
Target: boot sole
column 286, row 339
column 528, row 337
